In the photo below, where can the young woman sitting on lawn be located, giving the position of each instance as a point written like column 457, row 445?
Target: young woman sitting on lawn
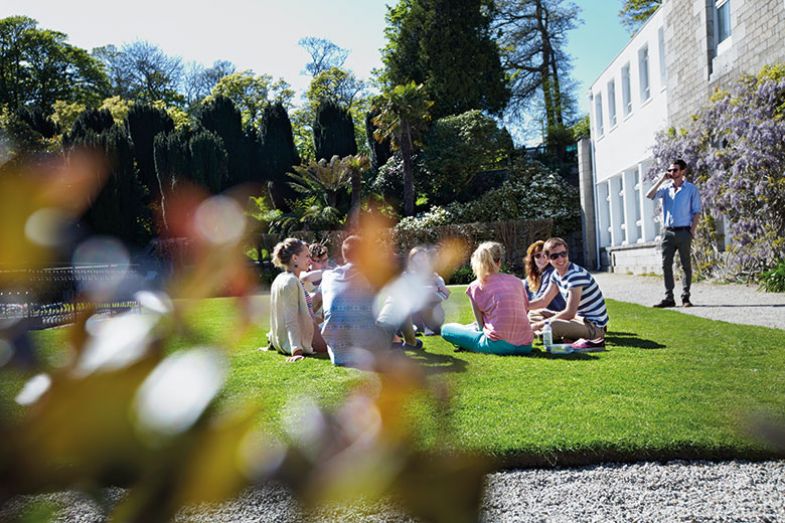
column 292, row 327
column 500, row 307
column 585, row 318
column 430, row 317
column 312, row 278
column 539, row 272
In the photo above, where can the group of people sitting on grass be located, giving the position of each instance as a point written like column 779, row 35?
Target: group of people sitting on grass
column 315, row 309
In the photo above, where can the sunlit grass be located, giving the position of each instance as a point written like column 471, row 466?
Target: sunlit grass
column 669, row 385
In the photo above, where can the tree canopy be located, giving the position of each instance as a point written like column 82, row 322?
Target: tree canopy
column 251, row 93
column 324, row 54
column 634, row 13
column 447, row 46
column 533, row 36
column 457, row 149
column 142, row 71
column 335, row 84
column 38, row 67
column 198, row 81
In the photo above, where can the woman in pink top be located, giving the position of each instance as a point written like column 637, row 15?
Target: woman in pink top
column 500, row 307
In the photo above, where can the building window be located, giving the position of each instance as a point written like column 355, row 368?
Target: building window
column 598, row 113
column 643, row 69
column 625, row 89
column 722, row 8
column 612, row 103
column 661, row 45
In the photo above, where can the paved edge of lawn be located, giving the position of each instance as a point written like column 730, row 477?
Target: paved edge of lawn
column 582, row 458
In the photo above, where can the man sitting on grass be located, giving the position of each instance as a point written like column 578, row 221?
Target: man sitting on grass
column 350, row 328
column 585, row 318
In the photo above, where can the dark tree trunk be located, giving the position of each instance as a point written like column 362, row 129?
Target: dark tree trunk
column 407, row 150
column 354, row 213
column 547, row 58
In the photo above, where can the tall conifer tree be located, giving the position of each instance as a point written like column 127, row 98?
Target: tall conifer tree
column 144, row 123
column 333, row 131
column 119, row 208
column 221, row 117
column 278, row 153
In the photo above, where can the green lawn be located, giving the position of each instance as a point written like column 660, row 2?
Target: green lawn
column 670, row 385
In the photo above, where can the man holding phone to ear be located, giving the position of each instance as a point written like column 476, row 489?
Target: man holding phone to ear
column 681, row 207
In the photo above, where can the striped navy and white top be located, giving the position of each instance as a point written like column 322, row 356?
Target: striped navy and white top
column 592, row 306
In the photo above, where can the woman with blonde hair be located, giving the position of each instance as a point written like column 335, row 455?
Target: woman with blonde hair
column 539, row 272
column 293, row 330
column 500, row 307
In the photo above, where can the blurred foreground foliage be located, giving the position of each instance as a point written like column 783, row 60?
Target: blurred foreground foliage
column 120, row 409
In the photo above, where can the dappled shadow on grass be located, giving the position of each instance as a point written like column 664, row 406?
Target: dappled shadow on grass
column 631, row 340
column 435, row 363
column 573, row 356
column 538, row 353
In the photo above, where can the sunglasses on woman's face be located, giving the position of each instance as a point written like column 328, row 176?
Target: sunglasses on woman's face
column 539, row 255
column 557, row 255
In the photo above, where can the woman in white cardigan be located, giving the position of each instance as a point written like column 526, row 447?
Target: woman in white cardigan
column 293, row 330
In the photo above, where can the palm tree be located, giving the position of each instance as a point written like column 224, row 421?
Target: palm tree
column 403, row 115
column 355, row 166
column 321, row 179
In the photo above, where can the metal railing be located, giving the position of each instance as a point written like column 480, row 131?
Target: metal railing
column 50, row 296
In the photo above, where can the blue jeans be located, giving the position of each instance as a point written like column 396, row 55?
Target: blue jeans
column 469, row 338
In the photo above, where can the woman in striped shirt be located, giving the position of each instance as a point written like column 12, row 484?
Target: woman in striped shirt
column 585, row 318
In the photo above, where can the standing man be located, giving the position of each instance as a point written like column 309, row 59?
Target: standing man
column 681, row 207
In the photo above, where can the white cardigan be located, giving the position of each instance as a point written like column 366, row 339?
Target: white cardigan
column 291, row 325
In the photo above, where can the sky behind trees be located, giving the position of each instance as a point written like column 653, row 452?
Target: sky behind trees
column 262, row 34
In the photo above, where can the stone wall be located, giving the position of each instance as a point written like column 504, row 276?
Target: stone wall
column 695, row 70
column 635, row 259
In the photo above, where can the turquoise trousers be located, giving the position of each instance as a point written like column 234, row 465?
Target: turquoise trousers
column 469, row 338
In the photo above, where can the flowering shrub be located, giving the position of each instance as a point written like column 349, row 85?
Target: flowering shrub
column 735, row 148
column 436, row 217
column 530, row 192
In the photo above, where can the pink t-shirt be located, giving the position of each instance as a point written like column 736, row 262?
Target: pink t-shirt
column 505, row 308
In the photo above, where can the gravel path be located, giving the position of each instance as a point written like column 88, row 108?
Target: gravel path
column 643, row 492
column 727, row 302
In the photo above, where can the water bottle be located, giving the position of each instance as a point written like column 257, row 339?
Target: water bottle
column 547, row 335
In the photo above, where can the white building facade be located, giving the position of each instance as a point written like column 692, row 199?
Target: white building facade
column 668, row 70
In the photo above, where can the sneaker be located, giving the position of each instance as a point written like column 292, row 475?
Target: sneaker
column 664, row 303
column 686, row 303
column 584, row 345
column 417, row 345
